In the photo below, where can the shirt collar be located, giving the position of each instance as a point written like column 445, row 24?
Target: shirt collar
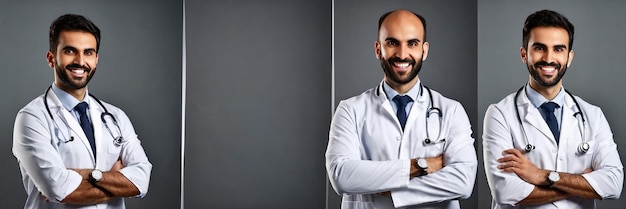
column 537, row 99
column 413, row 92
column 67, row 100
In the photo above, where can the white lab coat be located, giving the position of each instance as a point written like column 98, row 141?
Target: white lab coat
column 368, row 153
column 502, row 131
column 44, row 157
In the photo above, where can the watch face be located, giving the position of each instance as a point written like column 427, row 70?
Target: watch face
column 96, row 175
column 422, row 163
column 554, row 176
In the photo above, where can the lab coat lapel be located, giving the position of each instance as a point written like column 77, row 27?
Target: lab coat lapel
column 385, row 105
column 569, row 123
column 419, row 107
column 533, row 117
column 95, row 112
column 73, row 124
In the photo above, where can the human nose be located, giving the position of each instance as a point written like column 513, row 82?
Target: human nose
column 548, row 56
column 79, row 59
column 402, row 52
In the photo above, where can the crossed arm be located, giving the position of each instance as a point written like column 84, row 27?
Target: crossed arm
column 113, row 184
column 569, row 184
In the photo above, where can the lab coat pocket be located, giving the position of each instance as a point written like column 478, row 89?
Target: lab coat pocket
column 114, row 153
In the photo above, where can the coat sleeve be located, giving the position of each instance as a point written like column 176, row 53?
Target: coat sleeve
column 456, row 179
column 607, row 177
column 347, row 172
column 137, row 167
column 506, row 188
column 39, row 159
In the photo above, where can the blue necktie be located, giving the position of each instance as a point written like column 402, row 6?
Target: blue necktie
column 401, row 101
column 547, row 110
column 81, row 108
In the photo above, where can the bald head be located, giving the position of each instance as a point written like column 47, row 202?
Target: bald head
column 407, row 16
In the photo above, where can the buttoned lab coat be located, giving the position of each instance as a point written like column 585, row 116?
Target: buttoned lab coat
column 369, row 153
column 44, row 156
column 502, row 131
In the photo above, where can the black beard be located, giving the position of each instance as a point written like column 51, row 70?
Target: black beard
column 533, row 70
column 65, row 79
column 388, row 69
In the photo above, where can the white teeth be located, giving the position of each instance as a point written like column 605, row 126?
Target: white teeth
column 79, row 71
column 404, row 64
column 548, row 69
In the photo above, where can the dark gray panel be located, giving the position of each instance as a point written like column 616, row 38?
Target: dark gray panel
column 449, row 69
column 139, row 71
column 596, row 73
column 258, row 103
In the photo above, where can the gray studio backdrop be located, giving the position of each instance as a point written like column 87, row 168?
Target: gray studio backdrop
column 138, row 71
column 258, row 103
column 449, row 69
column 596, row 74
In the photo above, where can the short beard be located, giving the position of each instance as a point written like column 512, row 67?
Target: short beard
column 388, row 69
column 534, row 73
column 64, row 78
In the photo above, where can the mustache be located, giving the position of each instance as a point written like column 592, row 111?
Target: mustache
column 397, row 59
column 77, row 66
column 545, row 64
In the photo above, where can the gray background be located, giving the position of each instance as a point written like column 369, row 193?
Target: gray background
column 596, row 73
column 258, row 103
column 138, row 71
column 450, row 67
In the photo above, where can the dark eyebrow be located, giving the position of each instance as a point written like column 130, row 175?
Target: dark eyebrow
column 539, row 44
column 391, row 39
column 396, row 40
column 69, row 48
column 414, row 40
column 562, row 46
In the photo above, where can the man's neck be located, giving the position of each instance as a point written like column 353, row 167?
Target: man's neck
column 79, row 94
column 401, row 88
column 548, row 92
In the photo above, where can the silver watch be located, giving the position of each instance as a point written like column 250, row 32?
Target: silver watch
column 553, row 177
column 95, row 176
column 422, row 164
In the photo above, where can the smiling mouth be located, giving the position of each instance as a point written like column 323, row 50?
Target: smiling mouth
column 401, row 64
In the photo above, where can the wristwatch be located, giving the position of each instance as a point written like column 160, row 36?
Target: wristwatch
column 95, row 176
column 422, row 164
column 553, row 177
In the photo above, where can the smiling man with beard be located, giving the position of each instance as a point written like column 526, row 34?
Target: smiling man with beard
column 379, row 153
column 544, row 147
column 73, row 150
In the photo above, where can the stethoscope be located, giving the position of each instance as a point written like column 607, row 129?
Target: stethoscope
column 117, row 140
column 431, row 110
column 583, row 147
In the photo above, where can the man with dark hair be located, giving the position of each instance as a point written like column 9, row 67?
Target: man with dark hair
column 384, row 150
column 73, row 150
column 544, row 147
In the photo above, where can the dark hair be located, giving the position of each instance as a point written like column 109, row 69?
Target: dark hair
column 72, row 22
column 547, row 18
column 384, row 16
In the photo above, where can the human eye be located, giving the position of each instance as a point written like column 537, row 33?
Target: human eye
column 413, row 43
column 392, row 43
column 69, row 51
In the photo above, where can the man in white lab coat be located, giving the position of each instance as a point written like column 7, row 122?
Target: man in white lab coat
column 383, row 150
column 544, row 147
column 73, row 150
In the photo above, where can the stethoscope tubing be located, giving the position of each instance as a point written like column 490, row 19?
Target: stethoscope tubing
column 583, row 147
column 117, row 140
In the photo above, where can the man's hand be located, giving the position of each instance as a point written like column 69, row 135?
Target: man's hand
column 434, row 164
column 118, row 165
column 514, row 161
